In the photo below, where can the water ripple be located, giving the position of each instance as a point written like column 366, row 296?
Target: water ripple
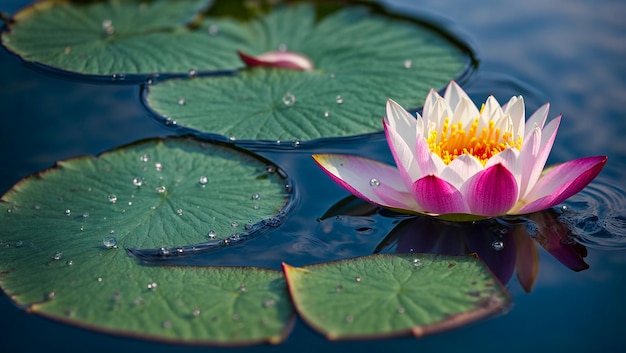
column 597, row 215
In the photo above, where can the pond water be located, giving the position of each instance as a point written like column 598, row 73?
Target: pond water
column 570, row 53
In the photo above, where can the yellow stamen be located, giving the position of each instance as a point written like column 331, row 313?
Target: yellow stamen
column 453, row 141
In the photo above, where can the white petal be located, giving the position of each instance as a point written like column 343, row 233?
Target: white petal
column 402, row 122
column 465, row 113
column 429, row 103
column 453, row 95
column 492, row 109
column 461, row 169
column 538, row 118
column 516, row 109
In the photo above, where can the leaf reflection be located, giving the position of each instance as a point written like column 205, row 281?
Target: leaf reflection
column 506, row 245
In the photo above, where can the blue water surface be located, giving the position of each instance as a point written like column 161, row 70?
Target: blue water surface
column 569, row 53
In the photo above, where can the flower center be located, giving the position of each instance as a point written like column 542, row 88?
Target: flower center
column 453, row 140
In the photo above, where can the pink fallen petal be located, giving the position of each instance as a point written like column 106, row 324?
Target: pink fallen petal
column 491, row 192
column 362, row 176
column 561, row 182
column 437, row 196
column 280, row 59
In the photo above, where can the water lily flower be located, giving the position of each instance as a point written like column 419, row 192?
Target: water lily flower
column 281, row 59
column 458, row 162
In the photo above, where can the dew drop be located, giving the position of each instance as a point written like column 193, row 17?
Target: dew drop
column 497, row 245
column 158, row 166
column 112, row 198
column 203, row 180
column 137, row 181
column 269, row 302
column 357, row 278
column 99, row 279
column 152, row 286
column 86, row 215
column 182, row 101
column 417, row 262
column 243, row 288
column 326, row 114
column 51, row 295
column 68, row 212
column 255, row 196
column 107, row 26
column 211, row 234
column 69, row 263
column 374, row 182
column 144, row 158
column 232, row 138
column 270, row 169
column 164, row 251
column 196, row 312
column 339, row 99
column 109, row 241
column 408, row 64
column 256, row 207
column 179, row 211
column 57, row 255
column 214, row 29
column 289, row 99
column 192, row 73
column 82, row 228
column 161, row 189
column 234, row 224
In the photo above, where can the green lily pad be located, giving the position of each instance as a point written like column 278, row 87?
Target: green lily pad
column 389, row 295
column 64, row 231
column 361, row 59
column 122, row 37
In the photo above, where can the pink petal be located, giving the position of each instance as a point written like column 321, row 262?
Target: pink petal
column 491, row 192
column 561, row 182
column 535, row 152
column 281, row 59
column 510, row 159
column 355, row 174
column 437, row 196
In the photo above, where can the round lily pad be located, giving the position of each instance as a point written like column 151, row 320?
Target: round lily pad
column 122, row 38
column 64, row 233
column 390, row 295
column 361, row 58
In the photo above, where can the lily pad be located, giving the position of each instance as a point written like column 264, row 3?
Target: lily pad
column 361, row 58
column 64, row 231
column 390, row 295
column 122, row 37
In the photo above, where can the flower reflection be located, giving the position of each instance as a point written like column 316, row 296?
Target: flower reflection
column 504, row 246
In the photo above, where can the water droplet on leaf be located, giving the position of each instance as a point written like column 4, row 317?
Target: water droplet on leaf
column 339, row 99
column 109, row 241
column 112, row 198
column 289, row 99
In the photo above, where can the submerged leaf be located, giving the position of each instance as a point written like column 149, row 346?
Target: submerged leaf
column 390, row 295
column 64, row 231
